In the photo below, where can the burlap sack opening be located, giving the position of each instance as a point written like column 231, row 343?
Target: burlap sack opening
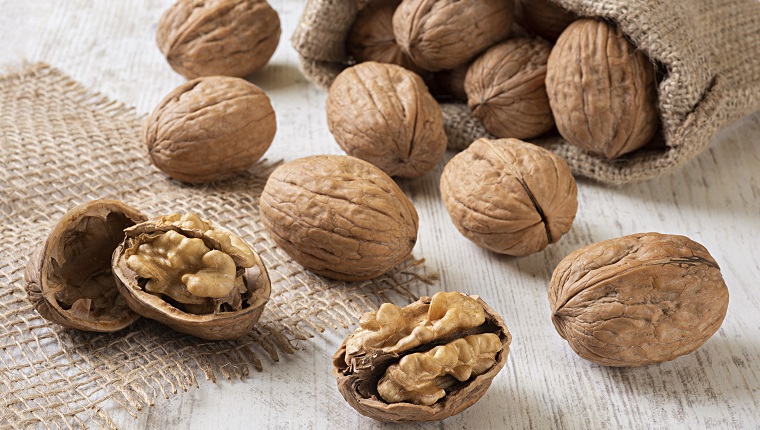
column 710, row 49
column 61, row 145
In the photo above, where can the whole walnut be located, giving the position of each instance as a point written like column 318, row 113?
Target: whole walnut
column 210, row 129
column 384, row 114
column 506, row 92
column 509, row 196
column 339, row 216
column 638, row 300
column 445, row 34
column 218, row 37
column 546, row 18
column 601, row 89
column 371, row 36
column 69, row 279
column 424, row 362
column 194, row 277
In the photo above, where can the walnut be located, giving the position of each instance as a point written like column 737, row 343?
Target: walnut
column 371, row 36
column 509, row 196
column 218, row 37
column 445, row 34
column 425, row 362
column 506, row 92
column 69, row 279
column 601, row 90
column 384, row 114
column 339, row 216
column 450, row 83
column 546, row 18
column 210, row 129
column 638, row 300
column 196, row 278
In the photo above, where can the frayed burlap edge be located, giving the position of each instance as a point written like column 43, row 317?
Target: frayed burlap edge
column 711, row 49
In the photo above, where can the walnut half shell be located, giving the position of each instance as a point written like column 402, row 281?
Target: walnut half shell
column 425, row 362
column 637, row 300
column 69, row 279
column 193, row 277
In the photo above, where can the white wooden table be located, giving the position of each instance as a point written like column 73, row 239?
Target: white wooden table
column 109, row 46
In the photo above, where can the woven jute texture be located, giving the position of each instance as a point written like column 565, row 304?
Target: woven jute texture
column 709, row 48
column 61, row 145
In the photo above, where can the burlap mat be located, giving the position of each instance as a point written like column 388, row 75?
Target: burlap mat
column 710, row 48
column 61, row 145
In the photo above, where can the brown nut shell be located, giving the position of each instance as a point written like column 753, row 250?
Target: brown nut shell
column 210, row 129
column 339, row 216
column 506, row 91
column 371, row 36
column 384, row 114
column 218, row 37
column 546, row 18
column 445, row 34
column 638, row 300
column 219, row 324
column 69, row 279
column 509, row 196
column 601, row 89
column 357, row 381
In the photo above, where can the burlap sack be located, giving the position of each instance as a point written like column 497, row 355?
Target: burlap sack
column 710, row 48
column 61, row 145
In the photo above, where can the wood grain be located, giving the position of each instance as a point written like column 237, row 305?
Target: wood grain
column 109, row 46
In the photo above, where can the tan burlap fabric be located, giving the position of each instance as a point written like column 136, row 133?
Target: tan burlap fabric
column 710, row 49
column 61, row 145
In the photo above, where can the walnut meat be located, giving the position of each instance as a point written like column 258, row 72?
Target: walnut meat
column 339, row 216
column 371, row 36
column 425, row 362
column 509, row 196
column 196, row 278
column 384, row 114
column 546, row 18
column 506, row 91
column 69, row 279
column 218, row 37
column 445, row 34
column 638, row 300
column 210, row 129
column 601, row 90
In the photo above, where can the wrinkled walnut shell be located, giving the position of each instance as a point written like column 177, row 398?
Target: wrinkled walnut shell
column 357, row 385
column 601, row 89
column 509, row 196
column 210, row 129
column 69, row 279
column 217, row 325
column 371, row 36
column 445, row 34
column 218, row 37
column 384, row 114
column 638, row 300
column 339, row 216
column 546, row 18
column 506, row 91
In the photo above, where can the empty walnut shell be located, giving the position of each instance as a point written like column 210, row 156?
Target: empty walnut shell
column 210, row 129
column 218, row 37
column 638, row 300
column 546, row 18
column 601, row 89
column 362, row 363
column 384, row 114
column 176, row 281
column 509, row 196
column 339, row 216
column 371, row 36
column 69, row 279
column 445, row 34
column 506, row 91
